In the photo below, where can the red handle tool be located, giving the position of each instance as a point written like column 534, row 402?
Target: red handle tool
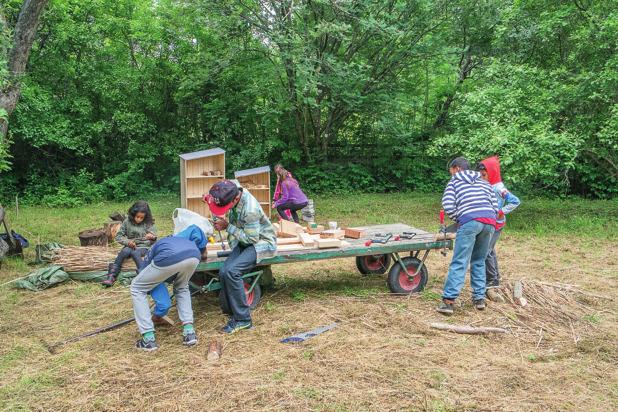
column 442, row 216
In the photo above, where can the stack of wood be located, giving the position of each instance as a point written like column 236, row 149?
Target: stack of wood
column 88, row 258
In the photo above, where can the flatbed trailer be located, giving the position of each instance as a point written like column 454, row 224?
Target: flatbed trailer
column 406, row 275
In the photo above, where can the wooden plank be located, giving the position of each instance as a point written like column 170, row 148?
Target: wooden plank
column 335, row 234
column 354, row 233
column 289, row 240
column 291, row 248
column 306, row 239
column 328, row 243
column 291, row 228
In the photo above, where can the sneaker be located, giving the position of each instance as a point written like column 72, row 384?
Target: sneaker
column 235, row 326
column 190, row 339
column 445, row 308
column 146, row 345
column 479, row 304
column 109, row 281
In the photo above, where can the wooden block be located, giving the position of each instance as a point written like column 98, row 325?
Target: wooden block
column 518, row 293
column 315, row 230
column 291, row 228
column 215, row 350
column 289, row 240
column 291, row 248
column 354, row 233
column 328, row 243
column 306, row 239
column 334, row 234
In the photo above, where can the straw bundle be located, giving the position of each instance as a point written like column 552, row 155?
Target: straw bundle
column 88, row 258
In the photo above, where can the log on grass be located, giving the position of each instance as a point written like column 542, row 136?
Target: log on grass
column 466, row 329
column 215, row 350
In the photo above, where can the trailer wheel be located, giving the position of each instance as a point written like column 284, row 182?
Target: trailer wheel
column 253, row 298
column 399, row 282
column 373, row 264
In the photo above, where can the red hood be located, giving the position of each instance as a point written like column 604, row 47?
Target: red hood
column 492, row 164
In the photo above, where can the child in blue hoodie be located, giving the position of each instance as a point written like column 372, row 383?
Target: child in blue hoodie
column 507, row 202
column 174, row 256
column 471, row 202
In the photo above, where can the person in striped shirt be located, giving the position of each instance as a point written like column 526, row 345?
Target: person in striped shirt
column 471, row 202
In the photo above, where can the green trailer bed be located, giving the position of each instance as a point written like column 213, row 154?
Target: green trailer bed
column 406, row 274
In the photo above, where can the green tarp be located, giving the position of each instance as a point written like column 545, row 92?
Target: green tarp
column 49, row 276
column 42, row 278
column 46, row 277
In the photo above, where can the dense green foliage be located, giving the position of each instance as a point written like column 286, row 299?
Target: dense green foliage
column 359, row 95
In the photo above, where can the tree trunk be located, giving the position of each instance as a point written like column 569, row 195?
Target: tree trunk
column 24, row 33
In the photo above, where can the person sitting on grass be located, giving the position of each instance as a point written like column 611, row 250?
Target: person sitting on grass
column 137, row 233
column 292, row 197
column 173, row 255
column 251, row 237
column 471, row 202
column 507, row 202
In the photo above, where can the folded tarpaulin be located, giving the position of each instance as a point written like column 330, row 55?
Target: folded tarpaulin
column 45, row 252
column 49, row 276
column 42, row 278
column 124, row 278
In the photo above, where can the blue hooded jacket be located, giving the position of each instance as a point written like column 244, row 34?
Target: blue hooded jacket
column 190, row 243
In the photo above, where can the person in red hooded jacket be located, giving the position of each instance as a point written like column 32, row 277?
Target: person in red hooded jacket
column 507, row 202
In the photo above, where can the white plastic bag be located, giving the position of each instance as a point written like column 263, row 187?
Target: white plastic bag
column 183, row 218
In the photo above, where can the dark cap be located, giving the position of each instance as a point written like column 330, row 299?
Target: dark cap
column 220, row 197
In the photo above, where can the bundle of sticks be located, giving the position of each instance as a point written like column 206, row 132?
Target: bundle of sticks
column 88, row 258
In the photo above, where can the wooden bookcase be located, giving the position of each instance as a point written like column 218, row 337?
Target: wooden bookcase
column 257, row 182
column 198, row 172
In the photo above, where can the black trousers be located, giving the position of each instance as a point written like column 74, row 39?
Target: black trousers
column 292, row 207
column 135, row 254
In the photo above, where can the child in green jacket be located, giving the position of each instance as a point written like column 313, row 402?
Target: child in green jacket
column 137, row 234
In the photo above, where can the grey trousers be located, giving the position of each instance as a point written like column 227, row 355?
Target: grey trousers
column 492, row 274
column 149, row 278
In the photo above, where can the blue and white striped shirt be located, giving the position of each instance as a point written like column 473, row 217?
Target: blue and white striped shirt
column 468, row 197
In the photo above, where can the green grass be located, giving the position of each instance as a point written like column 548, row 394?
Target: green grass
column 544, row 217
column 593, row 219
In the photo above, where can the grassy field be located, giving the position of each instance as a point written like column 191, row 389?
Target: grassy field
column 560, row 353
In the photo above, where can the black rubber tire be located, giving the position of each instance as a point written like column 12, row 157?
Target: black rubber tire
column 256, row 292
column 397, row 279
column 373, row 264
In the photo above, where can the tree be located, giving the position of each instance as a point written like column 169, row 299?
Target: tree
column 15, row 55
column 336, row 57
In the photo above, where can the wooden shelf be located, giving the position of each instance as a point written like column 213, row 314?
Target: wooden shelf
column 259, row 177
column 206, row 177
column 194, row 183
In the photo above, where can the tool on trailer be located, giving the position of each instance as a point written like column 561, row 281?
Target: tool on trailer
column 379, row 238
column 214, row 219
column 405, row 235
column 443, row 231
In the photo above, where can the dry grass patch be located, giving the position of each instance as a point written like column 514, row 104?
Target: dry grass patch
column 382, row 356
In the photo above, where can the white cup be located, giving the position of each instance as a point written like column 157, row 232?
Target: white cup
column 332, row 225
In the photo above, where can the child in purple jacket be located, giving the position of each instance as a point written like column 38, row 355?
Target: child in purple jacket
column 292, row 197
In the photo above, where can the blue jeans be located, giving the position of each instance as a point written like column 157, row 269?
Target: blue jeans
column 241, row 261
column 471, row 246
